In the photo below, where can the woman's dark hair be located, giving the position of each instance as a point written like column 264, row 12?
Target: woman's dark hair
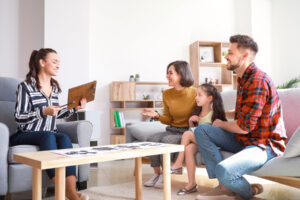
column 35, row 68
column 184, row 70
column 244, row 41
column 218, row 107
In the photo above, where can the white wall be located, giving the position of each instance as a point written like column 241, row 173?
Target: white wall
column 262, row 33
column 21, row 31
column 133, row 36
column 286, row 42
column 243, row 19
column 253, row 18
column 67, row 31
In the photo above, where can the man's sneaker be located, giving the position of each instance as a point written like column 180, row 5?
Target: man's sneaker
column 151, row 182
column 160, row 182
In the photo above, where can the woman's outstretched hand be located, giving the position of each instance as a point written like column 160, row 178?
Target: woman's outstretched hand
column 82, row 104
column 51, row 110
column 150, row 113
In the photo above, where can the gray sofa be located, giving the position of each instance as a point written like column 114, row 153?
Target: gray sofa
column 16, row 177
column 284, row 169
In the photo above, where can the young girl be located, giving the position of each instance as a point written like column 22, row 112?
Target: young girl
column 211, row 107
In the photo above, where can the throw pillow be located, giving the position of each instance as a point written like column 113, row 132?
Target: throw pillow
column 292, row 149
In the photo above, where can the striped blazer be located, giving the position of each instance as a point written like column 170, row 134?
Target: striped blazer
column 29, row 108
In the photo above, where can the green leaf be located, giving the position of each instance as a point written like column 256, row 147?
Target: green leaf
column 290, row 84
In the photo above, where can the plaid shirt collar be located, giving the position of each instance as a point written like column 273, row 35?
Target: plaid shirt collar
column 246, row 74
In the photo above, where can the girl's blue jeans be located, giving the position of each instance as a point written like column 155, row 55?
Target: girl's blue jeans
column 45, row 140
column 230, row 171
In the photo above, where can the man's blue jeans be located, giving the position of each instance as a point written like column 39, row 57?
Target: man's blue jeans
column 46, row 140
column 230, row 171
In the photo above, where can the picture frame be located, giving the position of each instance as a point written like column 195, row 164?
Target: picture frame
column 206, row 54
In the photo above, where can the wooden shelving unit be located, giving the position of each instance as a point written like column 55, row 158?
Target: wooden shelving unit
column 124, row 93
column 227, row 77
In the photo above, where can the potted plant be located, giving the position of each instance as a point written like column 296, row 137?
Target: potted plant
column 290, row 84
column 137, row 77
column 146, row 97
column 223, row 56
column 131, row 78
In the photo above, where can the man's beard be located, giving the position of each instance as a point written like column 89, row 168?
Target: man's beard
column 233, row 67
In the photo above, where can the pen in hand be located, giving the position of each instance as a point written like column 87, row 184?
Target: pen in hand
column 67, row 104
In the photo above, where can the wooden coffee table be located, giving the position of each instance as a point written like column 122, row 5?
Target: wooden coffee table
column 42, row 160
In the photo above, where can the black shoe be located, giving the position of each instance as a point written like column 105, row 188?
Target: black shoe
column 176, row 171
column 185, row 191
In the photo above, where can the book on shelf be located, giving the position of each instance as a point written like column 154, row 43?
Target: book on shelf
column 122, row 119
column 119, row 119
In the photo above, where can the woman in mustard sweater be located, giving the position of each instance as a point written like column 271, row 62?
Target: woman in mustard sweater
column 178, row 105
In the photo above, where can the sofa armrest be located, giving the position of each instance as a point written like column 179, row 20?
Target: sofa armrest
column 141, row 131
column 129, row 138
column 79, row 132
column 4, row 145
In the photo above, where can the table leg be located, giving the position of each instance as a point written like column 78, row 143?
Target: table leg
column 138, row 178
column 60, row 183
column 167, row 176
column 36, row 184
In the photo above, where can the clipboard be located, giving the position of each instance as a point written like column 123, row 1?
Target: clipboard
column 75, row 94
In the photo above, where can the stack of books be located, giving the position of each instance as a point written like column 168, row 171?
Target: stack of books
column 119, row 119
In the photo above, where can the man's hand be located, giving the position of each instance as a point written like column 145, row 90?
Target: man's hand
column 218, row 123
column 82, row 104
column 150, row 113
column 230, row 126
column 51, row 110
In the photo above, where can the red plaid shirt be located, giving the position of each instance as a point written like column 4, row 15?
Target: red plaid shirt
column 258, row 111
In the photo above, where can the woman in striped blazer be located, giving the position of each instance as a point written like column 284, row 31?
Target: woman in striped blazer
column 36, row 111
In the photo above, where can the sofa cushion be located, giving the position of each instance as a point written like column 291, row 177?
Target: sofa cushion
column 20, row 149
column 229, row 99
column 279, row 166
column 7, row 115
column 290, row 109
column 142, row 130
column 292, row 148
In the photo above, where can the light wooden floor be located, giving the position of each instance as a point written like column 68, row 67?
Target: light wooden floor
column 117, row 172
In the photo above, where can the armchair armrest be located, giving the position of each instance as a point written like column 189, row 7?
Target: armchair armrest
column 79, row 132
column 4, row 145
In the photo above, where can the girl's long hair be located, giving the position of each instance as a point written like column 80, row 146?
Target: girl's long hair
column 217, row 102
column 35, row 68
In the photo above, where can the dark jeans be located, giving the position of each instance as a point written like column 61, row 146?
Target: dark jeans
column 45, row 140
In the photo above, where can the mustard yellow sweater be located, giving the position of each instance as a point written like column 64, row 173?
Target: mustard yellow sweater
column 178, row 106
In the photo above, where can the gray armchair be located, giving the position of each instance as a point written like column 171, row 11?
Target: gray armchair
column 16, row 177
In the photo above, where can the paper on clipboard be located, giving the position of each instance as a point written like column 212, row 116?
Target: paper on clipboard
column 75, row 94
